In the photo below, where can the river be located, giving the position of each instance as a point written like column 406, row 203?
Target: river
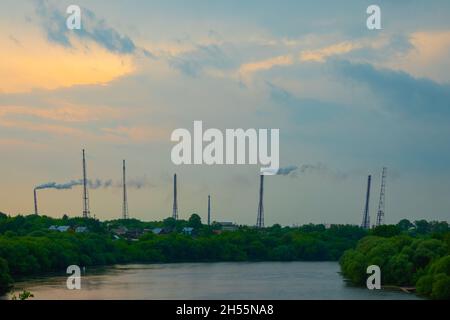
column 227, row 280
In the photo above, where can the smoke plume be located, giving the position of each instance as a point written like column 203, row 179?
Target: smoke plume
column 135, row 183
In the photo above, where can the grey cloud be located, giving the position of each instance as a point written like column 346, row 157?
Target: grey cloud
column 305, row 110
column 192, row 63
column 398, row 91
column 53, row 21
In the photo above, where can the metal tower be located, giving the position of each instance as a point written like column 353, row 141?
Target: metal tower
column 209, row 210
column 380, row 214
column 86, row 212
column 175, row 202
column 260, row 219
column 125, row 200
column 35, row 203
column 366, row 218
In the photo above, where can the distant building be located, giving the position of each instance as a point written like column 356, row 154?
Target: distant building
column 228, row 226
column 157, row 230
column 120, row 231
column 188, row 230
column 81, row 229
column 133, row 234
column 59, row 228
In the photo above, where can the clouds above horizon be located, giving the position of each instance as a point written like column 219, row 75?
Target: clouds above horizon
column 347, row 101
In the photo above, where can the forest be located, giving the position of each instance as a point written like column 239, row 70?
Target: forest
column 409, row 255
column 28, row 247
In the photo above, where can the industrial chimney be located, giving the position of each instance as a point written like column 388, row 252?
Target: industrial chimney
column 209, row 210
column 125, row 198
column 366, row 217
column 35, row 202
column 260, row 219
column 175, row 200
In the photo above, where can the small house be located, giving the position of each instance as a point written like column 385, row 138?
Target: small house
column 188, row 230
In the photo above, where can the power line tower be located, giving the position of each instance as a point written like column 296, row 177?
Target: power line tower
column 260, row 219
column 366, row 218
column 209, row 210
column 381, row 206
column 125, row 200
column 175, row 201
column 86, row 212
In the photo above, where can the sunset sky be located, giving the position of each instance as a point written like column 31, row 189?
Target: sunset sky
column 347, row 101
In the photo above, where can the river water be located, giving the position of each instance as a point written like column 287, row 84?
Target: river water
column 242, row 280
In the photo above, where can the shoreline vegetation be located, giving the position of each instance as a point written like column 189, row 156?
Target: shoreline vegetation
column 409, row 254
column 412, row 257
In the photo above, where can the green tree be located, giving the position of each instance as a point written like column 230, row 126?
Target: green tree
column 195, row 221
column 5, row 278
column 170, row 223
column 386, row 231
column 405, row 224
column 422, row 226
column 441, row 287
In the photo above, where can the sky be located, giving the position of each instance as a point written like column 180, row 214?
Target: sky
column 347, row 100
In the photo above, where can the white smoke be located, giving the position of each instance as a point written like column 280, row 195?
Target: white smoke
column 135, row 183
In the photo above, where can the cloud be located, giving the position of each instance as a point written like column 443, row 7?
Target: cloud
column 20, row 143
column 39, row 65
column 304, row 110
column 67, row 113
column 53, row 21
column 320, row 55
column 251, row 67
column 397, row 90
column 428, row 55
column 202, row 56
column 141, row 133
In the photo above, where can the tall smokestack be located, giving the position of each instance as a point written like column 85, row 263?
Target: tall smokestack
column 260, row 219
column 125, row 201
column 35, row 202
column 175, row 201
column 86, row 212
column 209, row 210
column 366, row 217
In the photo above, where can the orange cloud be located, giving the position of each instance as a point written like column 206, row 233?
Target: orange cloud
column 10, row 142
column 35, row 63
column 65, row 113
column 430, row 57
column 267, row 64
column 320, row 55
column 139, row 133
